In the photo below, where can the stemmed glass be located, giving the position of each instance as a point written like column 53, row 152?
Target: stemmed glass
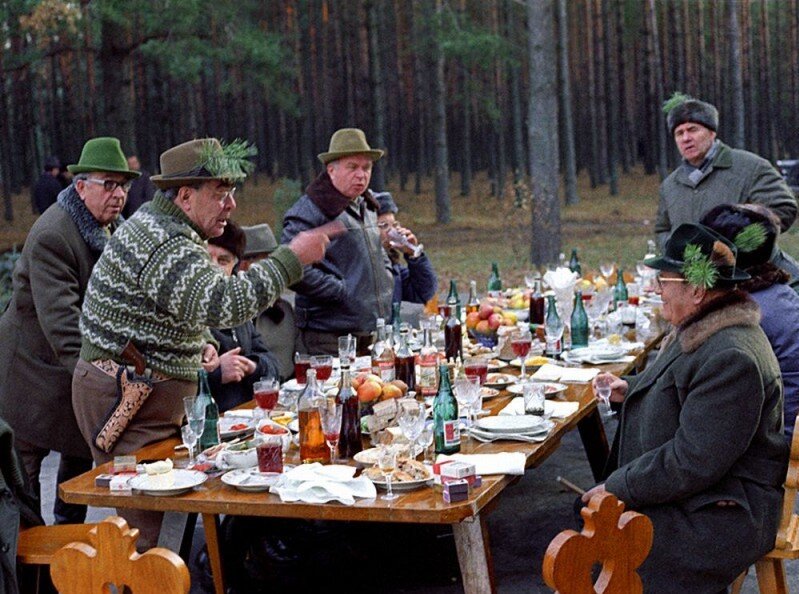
column 195, row 417
column 346, row 350
column 521, row 343
column 330, row 416
column 189, row 438
column 467, row 390
column 607, row 268
column 387, row 462
column 597, row 306
column 411, row 420
column 602, row 385
column 426, row 440
column 530, row 277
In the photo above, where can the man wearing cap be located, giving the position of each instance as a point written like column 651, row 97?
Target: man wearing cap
column 713, row 173
column 40, row 327
column 351, row 287
column 700, row 448
column 416, row 282
column 153, row 295
column 275, row 324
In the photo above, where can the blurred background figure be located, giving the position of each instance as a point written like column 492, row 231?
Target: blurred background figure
column 275, row 324
column 141, row 190
column 48, row 185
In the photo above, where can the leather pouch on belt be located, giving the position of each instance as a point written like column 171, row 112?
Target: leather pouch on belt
column 132, row 391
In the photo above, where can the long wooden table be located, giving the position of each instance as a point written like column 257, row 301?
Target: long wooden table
column 423, row 506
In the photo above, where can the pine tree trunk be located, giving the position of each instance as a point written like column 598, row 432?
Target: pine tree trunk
column 443, row 214
column 735, row 77
column 611, row 104
column 601, row 96
column 378, row 92
column 656, row 88
column 595, row 167
column 570, row 164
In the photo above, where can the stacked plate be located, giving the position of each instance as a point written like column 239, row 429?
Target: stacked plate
column 517, row 428
column 596, row 354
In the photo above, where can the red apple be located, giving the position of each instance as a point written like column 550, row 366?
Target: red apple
column 495, row 321
column 485, row 311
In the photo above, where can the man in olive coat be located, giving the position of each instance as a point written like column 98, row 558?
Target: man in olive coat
column 40, row 326
column 700, row 447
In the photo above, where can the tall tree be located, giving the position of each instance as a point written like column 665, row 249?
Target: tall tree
column 611, row 104
column 738, row 137
column 378, row 90
column 441, row 175
column 543, row 132
column 570, row 162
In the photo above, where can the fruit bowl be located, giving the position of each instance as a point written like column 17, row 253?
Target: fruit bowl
column 487, row 339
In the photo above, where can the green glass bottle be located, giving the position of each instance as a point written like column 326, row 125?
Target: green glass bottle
column 395, row 314
column 574, row 263
column 620, row 290
column 453, row 299
column 494, row 281
column 445, row 416
column 579, row 323
column 554, row 329
column 210, row 434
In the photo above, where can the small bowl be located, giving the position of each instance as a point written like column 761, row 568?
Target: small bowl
column 285, row 434
column 245, row 457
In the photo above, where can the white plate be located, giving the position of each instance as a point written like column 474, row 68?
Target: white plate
column 495, row 364
column 598, row 352
column 185, row 481
column 550, row 389
column 249, row 479
column 499, row 380
column 510, row 424
column 368, row 457
column 487, row 392
column 226, row 425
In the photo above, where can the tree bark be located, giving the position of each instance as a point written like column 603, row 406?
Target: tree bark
column 738, row 137
column 443, row 214
column 378, row 92
column 570, row 164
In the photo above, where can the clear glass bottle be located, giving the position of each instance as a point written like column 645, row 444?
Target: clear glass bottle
column 445, row 416
column 210, row 435
column 383, row 356
column 579, row 323
column 537, row 304
column 349, row 442
column 428, row 364
column 473, row 304
column 554, row 327
column 313, row 447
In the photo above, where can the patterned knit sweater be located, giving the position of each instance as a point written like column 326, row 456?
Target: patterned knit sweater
column 156, row 286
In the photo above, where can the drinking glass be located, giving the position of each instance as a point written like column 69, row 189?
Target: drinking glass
column 195, row 416
column 607, row 268
column 265, row 392
column 302, row 363
column 346, row 350
column 534, row 397
column 554, row 332
column 189, row 438
column 602, row 385
column 466, row 392
column 521, row 344
column 426, row 439
column 530, row 277
column 323, row 365
column 269, row 450
column 387, row 462
column 411, row 420
column 330, row 415
column 476, row 367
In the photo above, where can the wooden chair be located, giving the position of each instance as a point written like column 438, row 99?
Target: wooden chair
column 770, row 570
column 111, row 558
column 36, row 546
column 618, row 541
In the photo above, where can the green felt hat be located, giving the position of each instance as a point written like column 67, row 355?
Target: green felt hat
column 347, row 142
column 102, row 154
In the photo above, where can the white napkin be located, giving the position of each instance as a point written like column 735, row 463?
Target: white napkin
column 548, row 373
column 244, row 413
column 501, row 463
column 555, row 409
column 315, row 483
column 556, row 373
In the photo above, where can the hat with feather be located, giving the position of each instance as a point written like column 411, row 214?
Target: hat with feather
column 205, row 159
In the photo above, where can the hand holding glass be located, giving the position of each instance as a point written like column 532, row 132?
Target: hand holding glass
column 602, row 388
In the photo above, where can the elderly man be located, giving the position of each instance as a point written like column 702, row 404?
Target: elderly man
column 40, row 326
column 153, row 295
column 275, row 324
column 700, row 448
column 416, row 282
column 712, row 173
column 347, row 291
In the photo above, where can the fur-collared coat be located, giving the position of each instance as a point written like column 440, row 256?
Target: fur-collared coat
column 41, row 337
column 703, row 424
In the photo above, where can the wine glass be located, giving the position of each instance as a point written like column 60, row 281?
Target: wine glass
column 521, row 343
column 330, row 417
column 195, row 417
column 465, row 388
column 426, row 439
column 387, row 462
column 189, row 438
column 411, row 420
column 607, row 268
column 530, row 277
column 346, row 350
column 602, row 385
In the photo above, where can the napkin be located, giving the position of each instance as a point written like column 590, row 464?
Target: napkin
column 548, row 373
column 556, row 373
column 554, row 409
column 315, row 483
column 244, row 413
column 562, row 281
column 501, row 463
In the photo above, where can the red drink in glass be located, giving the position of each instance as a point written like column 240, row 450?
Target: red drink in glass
column 300, row 368
column 633, row 300
column 476, row 369
column 266, row 399
column 323, row 372
column 270, row 457
column 444, row 310
column 521, row 346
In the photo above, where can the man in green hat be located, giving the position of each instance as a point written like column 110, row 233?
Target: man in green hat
column 700, row 448
column 153, row 296
column 40, row 325
column 351, row 287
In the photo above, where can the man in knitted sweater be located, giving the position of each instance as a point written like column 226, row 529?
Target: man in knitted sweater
column 156, row 288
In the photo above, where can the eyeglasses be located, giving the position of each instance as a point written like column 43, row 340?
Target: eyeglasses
column 221, row 195
column 109, row 185
column 660, row 280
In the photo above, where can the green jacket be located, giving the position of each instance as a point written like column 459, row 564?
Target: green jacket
column 734, row 177
column 703, row 424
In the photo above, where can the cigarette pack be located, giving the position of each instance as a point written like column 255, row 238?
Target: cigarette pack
column 121, row 482
column 103, row 480
column 457, row 490
column 455, row 497
column 123, row 464
column 457, row 470
column 473, row 480
column 437, row 466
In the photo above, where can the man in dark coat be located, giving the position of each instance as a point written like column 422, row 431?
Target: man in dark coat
column 48, row 186
column 700, row 448
column 141, row 189
column 40, row 326
column 243, row 356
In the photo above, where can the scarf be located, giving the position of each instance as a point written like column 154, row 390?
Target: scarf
column 697, row 174
column 330, row 201
column 91, row 232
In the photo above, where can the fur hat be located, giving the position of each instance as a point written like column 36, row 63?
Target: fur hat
column 203, row 160
column 386, row 203
column 102, row 154
column 347, row 142
column 232, row 239
column 701, row 255
column 681, row 108
column 260, row 240
column 753, row 229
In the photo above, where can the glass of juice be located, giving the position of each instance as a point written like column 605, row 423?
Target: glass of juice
column 476, row 367
column 521, row 344
column 269, row 449
column 323, row 365
column 302, row 363
column 266, row 392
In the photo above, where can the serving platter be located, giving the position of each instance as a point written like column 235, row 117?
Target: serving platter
column 185, row 481
column 250, row 479
column 511, row 423
column 550, row 389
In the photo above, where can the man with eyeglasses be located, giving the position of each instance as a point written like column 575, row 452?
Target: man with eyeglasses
column 700, row 447
column 40, row 326
column 153, row 296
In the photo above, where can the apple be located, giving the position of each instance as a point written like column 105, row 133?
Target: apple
column 495, row 321
column 368, row 391
column 390, row 391
column 485, row 311
column 471, row 319
column 482, row 327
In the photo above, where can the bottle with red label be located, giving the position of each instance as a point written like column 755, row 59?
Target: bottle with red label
column 383, row 355
column 428, row 365
column 445, row 416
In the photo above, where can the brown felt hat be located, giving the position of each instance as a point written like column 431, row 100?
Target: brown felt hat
column 347, row 142
column 196, row 161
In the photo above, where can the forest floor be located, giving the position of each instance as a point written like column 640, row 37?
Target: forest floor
column 483, row 228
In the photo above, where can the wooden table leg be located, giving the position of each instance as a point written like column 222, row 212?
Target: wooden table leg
column 474, row 556
column 595, row 442
column 211, row 527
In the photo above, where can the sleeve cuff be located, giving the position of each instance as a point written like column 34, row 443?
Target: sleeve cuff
column 289, row 263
